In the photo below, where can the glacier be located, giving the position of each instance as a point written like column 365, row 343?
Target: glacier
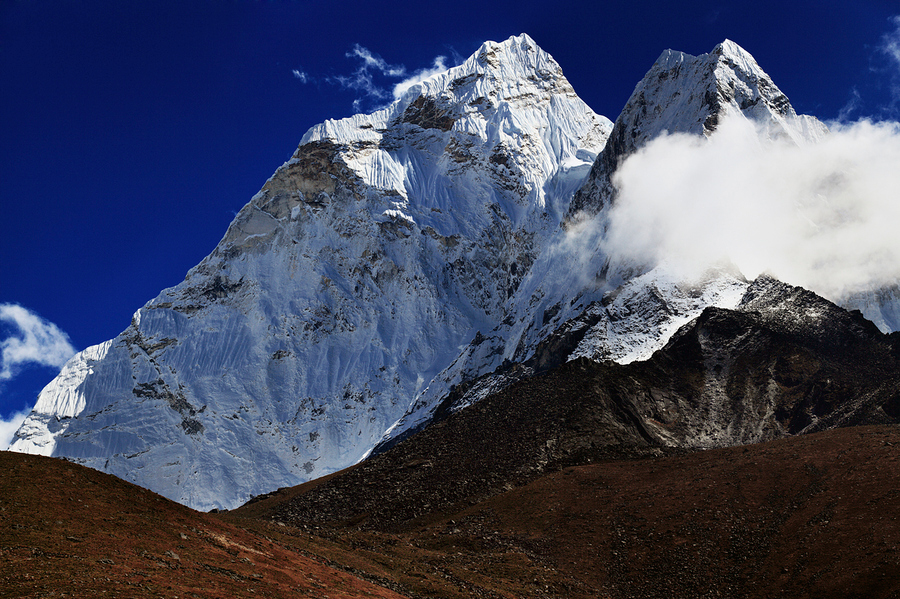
column 401, row 265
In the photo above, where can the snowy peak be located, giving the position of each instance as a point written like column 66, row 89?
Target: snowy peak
column 515, row 71
column 506, row 125
column 689, row 94
column 339, row 291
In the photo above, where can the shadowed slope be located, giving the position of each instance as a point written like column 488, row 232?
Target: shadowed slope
column 786, row 362
column 583, row 482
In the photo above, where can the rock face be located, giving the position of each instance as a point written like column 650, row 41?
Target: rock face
column 692, row 94
column 400, row 266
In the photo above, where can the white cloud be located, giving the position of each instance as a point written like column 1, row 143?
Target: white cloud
column 822, row 215
column 32, row 340
column 890, row 42
column 301, row 75
column 372, row 61
column 9, row 426
column 439, row 67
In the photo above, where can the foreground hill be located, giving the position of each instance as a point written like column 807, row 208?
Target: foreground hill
column 67, row 530
column 809, row 516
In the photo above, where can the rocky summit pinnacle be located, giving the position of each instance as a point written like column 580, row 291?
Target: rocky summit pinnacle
column 399, row 266
column 692, row 94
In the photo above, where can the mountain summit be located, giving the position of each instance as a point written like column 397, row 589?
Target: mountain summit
column 338, row 292
column 692, row 94
column 401, row 265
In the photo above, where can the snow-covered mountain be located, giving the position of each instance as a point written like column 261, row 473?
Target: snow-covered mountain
column 577, row 297
column 400, row 265
column 340, row 290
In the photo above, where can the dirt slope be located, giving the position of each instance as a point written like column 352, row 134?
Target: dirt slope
column 66, row 530
column 809, row 516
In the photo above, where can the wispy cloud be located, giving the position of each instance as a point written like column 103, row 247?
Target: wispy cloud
column 422, row 74
column 301, row 75
column 30, row 340
column 890, row 48
column 878, row 94
column 9, row 426
column 852, row 107
column 362, row 79
column 372, row 61
column 375, row 78
column 890, row 43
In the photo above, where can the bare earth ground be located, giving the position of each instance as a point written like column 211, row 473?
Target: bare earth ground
column 811, row 516
column 69, row 531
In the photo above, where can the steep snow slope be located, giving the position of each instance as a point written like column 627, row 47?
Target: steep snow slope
column 579, row 297
column 881, row 306
column 346, row 284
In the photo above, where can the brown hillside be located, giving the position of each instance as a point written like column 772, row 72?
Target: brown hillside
column 809, row 516
column 69, row 531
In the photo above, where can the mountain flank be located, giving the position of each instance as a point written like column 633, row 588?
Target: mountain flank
column 589, row 480
column 697, row 473
column 729, row 377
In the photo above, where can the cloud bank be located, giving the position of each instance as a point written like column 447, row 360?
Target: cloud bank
column 821, row 215
column 30, row 340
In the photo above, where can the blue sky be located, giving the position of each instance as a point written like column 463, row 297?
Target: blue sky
column 134, row 131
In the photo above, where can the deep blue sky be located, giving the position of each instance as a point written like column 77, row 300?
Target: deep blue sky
column 132, row 132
